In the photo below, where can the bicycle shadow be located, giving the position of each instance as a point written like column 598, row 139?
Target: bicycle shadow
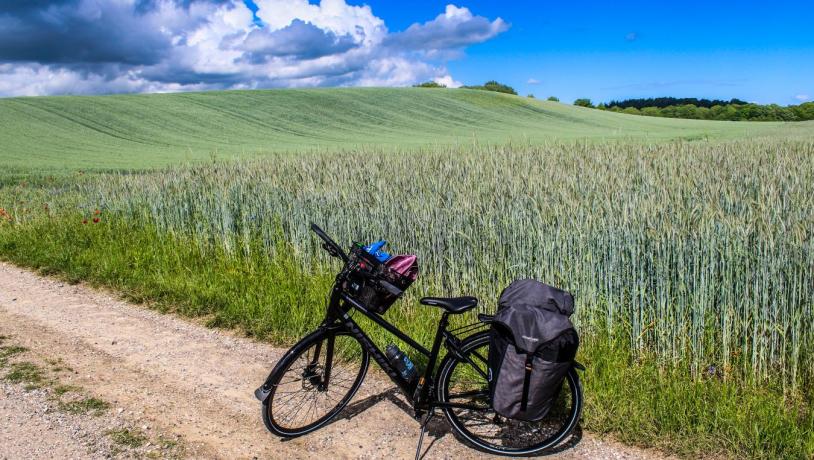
column 358, row 407
column 438, row 427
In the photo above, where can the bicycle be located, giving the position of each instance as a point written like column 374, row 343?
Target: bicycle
column 319, row 376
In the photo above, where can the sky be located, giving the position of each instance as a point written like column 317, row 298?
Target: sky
column 755, row 51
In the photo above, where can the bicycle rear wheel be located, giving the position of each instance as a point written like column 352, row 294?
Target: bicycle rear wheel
column 304, row 395
column 464, row 381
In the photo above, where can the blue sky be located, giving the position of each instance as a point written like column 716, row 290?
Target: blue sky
column 756, row 51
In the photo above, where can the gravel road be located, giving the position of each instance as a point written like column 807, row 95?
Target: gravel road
column 183, row 381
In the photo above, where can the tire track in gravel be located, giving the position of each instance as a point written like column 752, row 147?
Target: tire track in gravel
column 198, row 382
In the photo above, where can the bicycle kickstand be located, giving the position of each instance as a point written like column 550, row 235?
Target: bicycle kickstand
column 424, row 423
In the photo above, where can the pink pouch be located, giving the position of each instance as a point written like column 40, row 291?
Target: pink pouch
column 405, row 265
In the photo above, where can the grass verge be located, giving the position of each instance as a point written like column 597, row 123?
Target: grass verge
column 634, row 399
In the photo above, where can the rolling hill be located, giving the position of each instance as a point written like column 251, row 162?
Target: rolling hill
column 142, row 131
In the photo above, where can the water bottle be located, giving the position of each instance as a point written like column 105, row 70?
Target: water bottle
column 402, row 363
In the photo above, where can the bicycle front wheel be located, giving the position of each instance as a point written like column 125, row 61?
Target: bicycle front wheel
column 314, row 381
column 463, row 380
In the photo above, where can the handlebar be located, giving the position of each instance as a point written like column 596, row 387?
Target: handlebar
column 329, row 245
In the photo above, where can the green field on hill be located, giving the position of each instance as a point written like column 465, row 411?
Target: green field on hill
column 143, row 131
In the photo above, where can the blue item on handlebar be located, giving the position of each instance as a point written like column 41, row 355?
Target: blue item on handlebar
column 375, row 249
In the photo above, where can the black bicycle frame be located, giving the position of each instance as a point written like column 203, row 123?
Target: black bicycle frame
column 338, row 317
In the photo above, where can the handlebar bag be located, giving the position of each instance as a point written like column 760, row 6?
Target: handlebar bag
column 532, row 346
column 373, row 283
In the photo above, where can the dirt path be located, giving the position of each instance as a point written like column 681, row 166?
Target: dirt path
column 195, row 383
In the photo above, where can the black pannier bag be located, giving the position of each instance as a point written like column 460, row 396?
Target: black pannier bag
column 533, row 345
column 371, row 282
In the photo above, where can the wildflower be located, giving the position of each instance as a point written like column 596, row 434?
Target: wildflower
column 95, row 220
column 85, row 221
column 97, row 212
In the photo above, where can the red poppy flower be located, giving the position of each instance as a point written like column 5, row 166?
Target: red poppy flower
column 85, row 221
column 95, row 220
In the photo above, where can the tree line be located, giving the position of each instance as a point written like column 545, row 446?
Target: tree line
column 662, row 102
column 732, row 110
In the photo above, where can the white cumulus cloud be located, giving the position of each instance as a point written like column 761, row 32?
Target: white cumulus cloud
column 448, row 81
column 94, row 46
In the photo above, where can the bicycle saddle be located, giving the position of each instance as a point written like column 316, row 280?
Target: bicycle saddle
column 452, row 304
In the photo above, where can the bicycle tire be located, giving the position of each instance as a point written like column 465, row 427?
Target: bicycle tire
column 446, row 370
column 306, row 379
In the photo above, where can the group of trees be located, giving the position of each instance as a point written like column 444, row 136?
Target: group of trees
column 662, row 102
column 429, row 84
column 705, row 109
column 490, row 85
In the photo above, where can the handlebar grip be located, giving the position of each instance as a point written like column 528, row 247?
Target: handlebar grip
column 315, row 228
column 331, row 245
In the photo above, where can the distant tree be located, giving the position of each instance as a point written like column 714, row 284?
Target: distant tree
column 429, row 84
column 492, row 85
column 652, row 111
column 553, row 99
column 530, row 96
column 732, row 110
column 583, row 102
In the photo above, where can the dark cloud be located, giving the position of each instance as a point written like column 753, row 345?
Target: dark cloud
column 300, row 40
column 69, row 32
column 456, row 28
column 17, row 6
column 144, row 6
column 184, row 76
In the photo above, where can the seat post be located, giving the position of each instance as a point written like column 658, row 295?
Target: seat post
column 422, row 390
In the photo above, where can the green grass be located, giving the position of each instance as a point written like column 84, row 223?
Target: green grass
column 8, row 351
column 132, row 439
column 28, row 373
column 91, row 406
column 146, row 131
column 61, row 389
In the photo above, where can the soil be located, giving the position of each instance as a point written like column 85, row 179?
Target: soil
column 175, row 379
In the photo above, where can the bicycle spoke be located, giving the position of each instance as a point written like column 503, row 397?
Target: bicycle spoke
column 466, row 384
column 302, row 398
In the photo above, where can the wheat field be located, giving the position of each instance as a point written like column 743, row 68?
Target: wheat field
column 699, row 253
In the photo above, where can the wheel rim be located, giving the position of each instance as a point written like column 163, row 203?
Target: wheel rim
column 301, row 400
column 486, row 429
